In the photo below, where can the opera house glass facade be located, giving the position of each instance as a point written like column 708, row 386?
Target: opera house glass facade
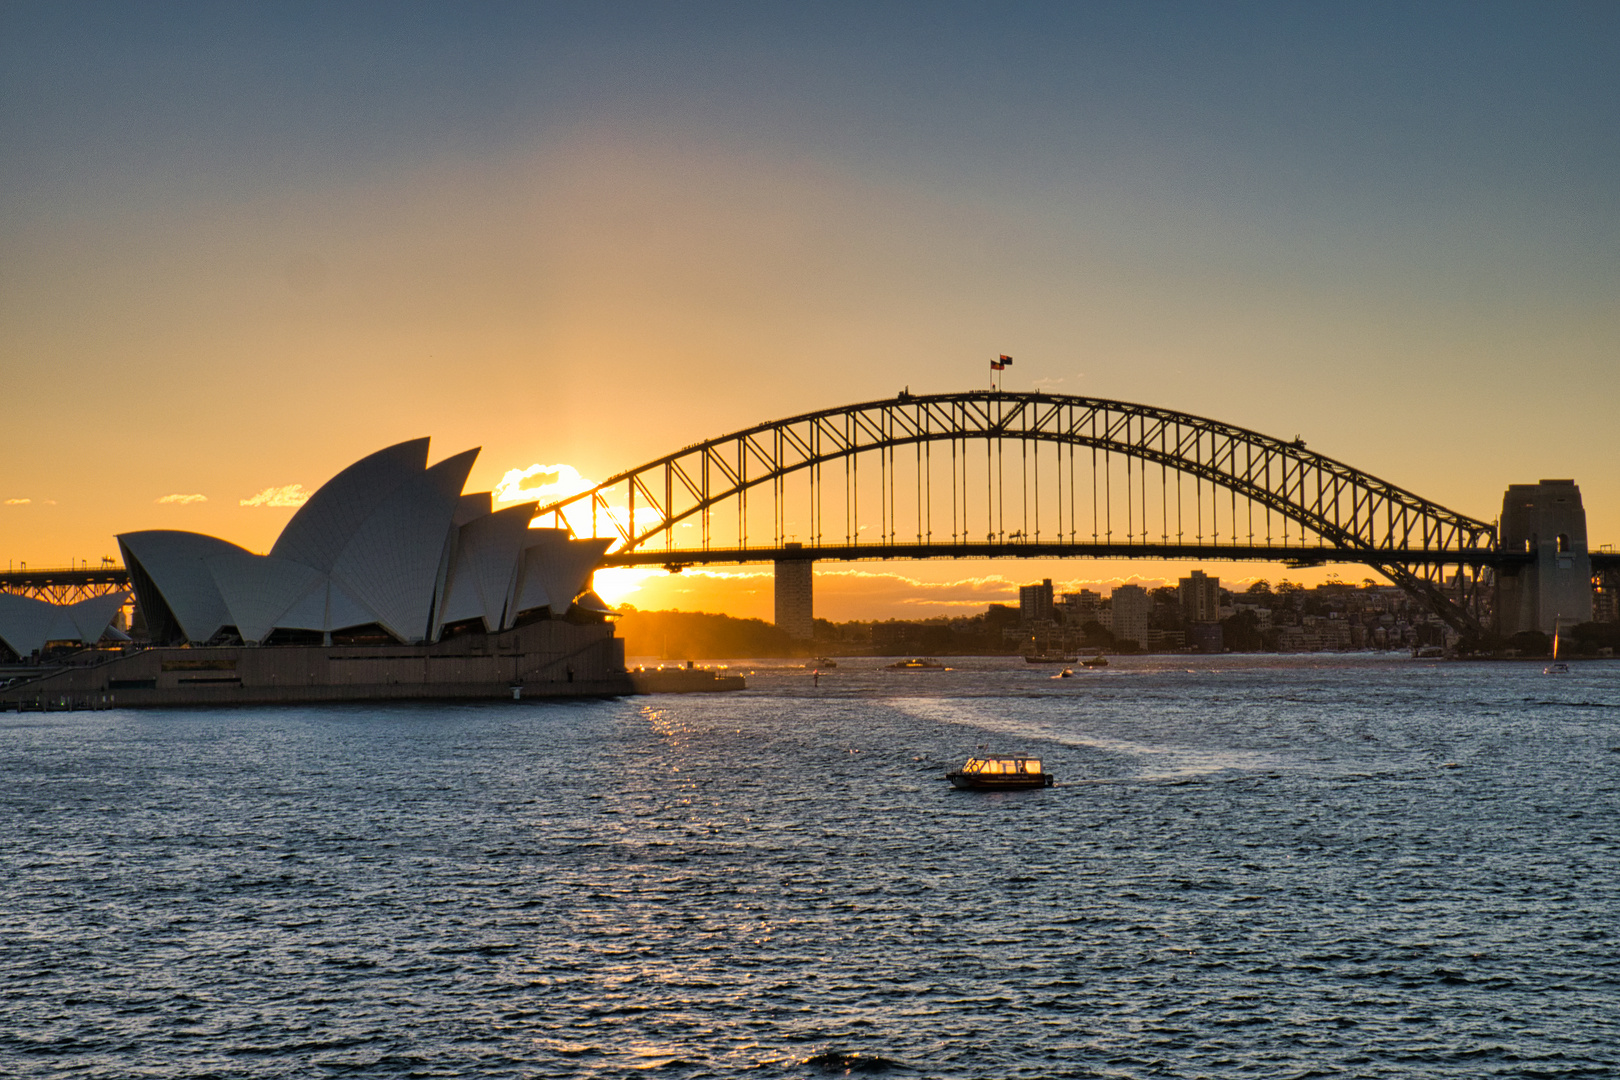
column 390, row 549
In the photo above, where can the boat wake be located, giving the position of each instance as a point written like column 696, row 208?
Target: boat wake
column 1156, row 761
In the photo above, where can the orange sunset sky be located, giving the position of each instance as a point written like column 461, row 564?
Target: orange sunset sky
column 241, row 247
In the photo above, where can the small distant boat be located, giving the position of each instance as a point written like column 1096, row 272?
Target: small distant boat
column 1557, row 667
column 1096, row 661
column 1066, row 673
column 825, row 662
column 1012, row 772
column 921, row 663
column 1047, row 658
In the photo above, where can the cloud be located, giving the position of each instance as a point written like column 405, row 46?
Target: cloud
column 183, row 500
column 286, row 495
column 18, row 502
column 541, row 482
column 891, row 588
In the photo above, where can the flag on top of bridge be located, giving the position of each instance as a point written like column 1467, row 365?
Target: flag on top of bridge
column 997, row 365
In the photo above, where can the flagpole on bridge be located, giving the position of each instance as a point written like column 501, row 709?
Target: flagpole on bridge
column 998, row 364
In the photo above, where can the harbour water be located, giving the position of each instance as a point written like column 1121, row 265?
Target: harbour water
column 1303, row 866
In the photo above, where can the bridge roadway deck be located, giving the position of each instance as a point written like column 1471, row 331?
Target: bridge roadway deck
column 1301, row 556
column 73, row 576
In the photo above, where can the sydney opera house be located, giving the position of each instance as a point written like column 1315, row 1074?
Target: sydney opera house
column 388, row 582
column 387, row 550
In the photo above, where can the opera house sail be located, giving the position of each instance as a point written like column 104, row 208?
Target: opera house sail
column 28, row 626
column 388, row 582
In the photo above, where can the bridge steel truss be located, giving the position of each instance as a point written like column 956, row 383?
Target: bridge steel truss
column 65, row 584
column 1206, row 469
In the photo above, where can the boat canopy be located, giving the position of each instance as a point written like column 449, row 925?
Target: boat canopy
column 1012, row 766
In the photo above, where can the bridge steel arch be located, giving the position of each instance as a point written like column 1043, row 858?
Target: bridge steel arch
column 1343, row 514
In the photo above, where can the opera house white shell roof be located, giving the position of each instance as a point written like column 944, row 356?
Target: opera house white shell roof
column 389, row 541
column 26, row 624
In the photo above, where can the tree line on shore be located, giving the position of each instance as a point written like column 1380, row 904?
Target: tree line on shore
column 1000, row 630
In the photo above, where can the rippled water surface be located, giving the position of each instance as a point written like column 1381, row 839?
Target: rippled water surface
column 1293, row 867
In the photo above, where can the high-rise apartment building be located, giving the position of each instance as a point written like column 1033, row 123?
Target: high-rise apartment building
column 1132, row 606
column 1035, row 603
column 1200, row 598
column 1081, row 607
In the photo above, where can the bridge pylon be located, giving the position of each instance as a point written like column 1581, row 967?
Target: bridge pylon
column 795, row 596
column 1546, row 524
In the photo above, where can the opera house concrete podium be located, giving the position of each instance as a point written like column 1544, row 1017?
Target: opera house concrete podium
column 388, row 583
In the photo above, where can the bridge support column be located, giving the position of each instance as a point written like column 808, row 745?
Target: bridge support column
column 795, row 599
column 1547, row 522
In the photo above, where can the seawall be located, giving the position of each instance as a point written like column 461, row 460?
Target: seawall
column 550, row 658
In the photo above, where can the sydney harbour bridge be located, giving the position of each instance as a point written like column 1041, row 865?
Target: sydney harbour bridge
column 995, row 474
column 992, row 474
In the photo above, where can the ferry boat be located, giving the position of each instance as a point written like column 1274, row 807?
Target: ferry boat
column 1010, row 772
column 1047, row 658
column 1096, row 661
column 919, row 664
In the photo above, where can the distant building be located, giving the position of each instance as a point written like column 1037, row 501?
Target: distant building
column 1262, row 615
column 1035, row 603
column 1207, row 637
column 1606, row 600
column 1132, row 606
column 1079, row 608
column 1164, row 640
column 1200, row 598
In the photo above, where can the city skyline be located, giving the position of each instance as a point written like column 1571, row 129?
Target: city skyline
column 257, row 245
